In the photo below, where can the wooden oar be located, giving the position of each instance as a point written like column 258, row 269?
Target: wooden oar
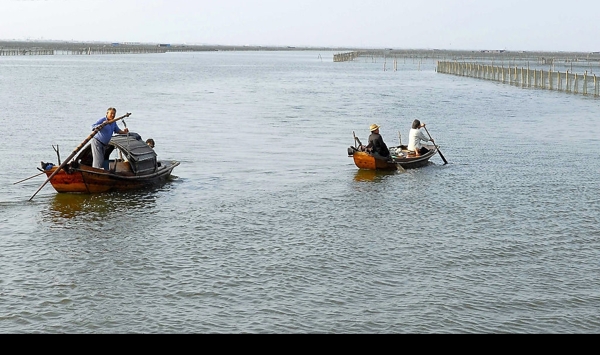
column 31, row 177
column 438, row 148
column 66, row 161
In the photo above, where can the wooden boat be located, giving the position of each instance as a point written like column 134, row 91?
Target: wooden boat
column 133, row 166
column 400, row 158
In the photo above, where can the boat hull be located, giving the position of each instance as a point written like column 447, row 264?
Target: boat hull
column 364, row 160
column 90, row 180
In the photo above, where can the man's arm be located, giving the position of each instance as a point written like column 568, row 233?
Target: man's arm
column 118, row 130
column 98, row 123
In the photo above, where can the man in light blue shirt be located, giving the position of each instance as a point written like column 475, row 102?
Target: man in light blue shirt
column 100, row 141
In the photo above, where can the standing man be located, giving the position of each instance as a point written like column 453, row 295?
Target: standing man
column 102, row 138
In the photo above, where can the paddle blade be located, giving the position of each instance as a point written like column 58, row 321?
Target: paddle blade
column 438, row 148
column 442, row 156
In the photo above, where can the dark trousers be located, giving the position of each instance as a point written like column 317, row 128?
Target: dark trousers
column 380, row 157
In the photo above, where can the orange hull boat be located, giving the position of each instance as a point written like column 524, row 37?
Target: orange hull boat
column 136, row 167
column 86, row 179
column 403, row 160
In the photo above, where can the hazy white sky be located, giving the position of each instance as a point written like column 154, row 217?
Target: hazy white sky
column 546, row 25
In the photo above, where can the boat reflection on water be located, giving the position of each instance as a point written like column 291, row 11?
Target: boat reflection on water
column 97, row 207
column 69, row 205
column 372, row 175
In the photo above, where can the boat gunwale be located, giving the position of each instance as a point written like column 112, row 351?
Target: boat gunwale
column 403, row 163
column 162, row 170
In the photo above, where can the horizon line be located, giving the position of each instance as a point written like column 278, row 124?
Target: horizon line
column 29, row 40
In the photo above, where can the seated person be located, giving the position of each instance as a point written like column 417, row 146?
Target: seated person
column 376, row 144
column 415, row 137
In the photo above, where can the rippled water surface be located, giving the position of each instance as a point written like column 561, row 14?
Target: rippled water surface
column 267, row 226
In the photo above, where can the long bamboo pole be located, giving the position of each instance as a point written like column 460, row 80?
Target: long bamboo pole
column 81, row 145
column 31, row 177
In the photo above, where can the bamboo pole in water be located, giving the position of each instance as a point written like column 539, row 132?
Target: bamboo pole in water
column 548, row 80
column 522, row 77
column 558, row 86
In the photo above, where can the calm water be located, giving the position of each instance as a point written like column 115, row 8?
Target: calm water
column 268, row 227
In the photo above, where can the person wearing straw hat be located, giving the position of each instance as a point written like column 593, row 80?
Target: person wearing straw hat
column 376, row 145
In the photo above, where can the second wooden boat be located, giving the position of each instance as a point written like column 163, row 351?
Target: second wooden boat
column 400, row 158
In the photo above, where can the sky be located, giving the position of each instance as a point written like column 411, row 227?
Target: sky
column 513, row 25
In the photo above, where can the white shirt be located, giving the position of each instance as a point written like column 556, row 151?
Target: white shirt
column 415, row 136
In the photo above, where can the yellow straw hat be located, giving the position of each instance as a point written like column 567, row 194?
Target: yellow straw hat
column 374, row 127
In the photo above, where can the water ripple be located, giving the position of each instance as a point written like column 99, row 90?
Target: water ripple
column 268, row 227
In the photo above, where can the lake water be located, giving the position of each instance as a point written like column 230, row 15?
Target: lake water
column 267, row 226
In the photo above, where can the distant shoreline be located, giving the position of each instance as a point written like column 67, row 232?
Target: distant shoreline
column 166, row 47
column 64, row 45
